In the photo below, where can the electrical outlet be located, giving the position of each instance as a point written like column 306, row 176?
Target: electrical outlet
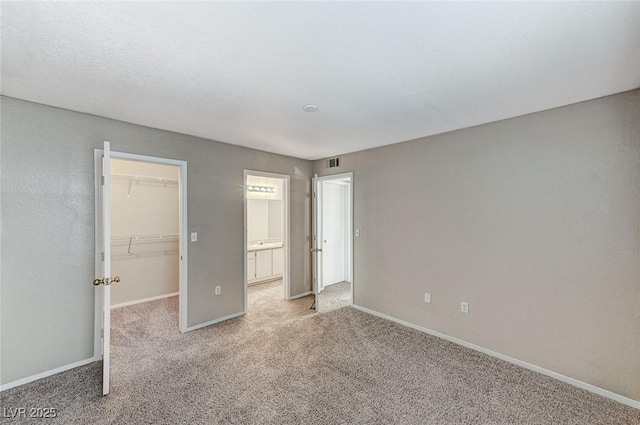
column 218, row 290
column 427, row 298
column 464, row 307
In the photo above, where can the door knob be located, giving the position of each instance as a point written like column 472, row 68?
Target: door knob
column 106, row 281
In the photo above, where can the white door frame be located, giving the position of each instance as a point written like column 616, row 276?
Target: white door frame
column 182, row 243
column 317, row 207
column 286, row 179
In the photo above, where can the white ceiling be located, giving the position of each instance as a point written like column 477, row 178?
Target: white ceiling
column 381, row 73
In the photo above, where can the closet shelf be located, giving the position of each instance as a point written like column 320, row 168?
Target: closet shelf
column 146, row 179
column 126, row 239
column 151, row 254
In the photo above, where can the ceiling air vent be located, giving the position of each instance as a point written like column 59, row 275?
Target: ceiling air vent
column 333, row 162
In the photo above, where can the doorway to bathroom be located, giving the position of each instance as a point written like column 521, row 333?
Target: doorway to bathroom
column 266, row 238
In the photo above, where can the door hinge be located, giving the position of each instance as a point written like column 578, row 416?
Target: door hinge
column 101, row 180
column 102, row 256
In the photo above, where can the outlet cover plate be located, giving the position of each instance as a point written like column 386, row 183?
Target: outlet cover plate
column 464, row 307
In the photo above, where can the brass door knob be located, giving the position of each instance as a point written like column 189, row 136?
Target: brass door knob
column 106, row 281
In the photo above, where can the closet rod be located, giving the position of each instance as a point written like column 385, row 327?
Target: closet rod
column 133, row 177
column 145, row 238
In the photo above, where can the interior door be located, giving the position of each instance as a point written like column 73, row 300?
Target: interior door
column 316, row 248
column 104, row 279
column 333, row 233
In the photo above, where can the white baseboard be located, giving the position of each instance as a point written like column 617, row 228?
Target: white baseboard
column 32, row 378
column 213, row 322
column 592, row 388
column 304, row 294
column 159, row 297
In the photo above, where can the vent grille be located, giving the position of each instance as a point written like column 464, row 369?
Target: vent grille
column 333, row 162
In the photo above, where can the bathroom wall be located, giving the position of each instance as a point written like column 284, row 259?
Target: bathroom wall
column 265, row 211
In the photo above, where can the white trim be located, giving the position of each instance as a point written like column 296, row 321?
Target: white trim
column 144, row 300
column 286, row 275
column 572, row 381
column 213, row 322
column 304, row 294
column 35, row 377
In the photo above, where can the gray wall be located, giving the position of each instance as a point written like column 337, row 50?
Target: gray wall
column 535, row 221
column 47, row 222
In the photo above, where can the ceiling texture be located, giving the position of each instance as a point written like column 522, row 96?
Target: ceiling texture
column 380, row 72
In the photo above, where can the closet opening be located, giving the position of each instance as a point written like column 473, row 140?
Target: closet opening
column 148, row 246
column 145, row 229
column 266, row 238
column 140, row 251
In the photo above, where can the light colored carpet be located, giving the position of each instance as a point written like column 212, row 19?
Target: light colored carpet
column 284, row 364
column 334, row 297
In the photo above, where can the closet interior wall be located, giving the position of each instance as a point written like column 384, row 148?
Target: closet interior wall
column 145, row 226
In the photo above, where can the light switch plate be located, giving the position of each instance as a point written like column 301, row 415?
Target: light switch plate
column 194, row 236
column 357, row 233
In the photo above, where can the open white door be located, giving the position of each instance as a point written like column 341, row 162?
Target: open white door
column 316, row 248
column 334, row 232
column 323, row 237
column 106, row 279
